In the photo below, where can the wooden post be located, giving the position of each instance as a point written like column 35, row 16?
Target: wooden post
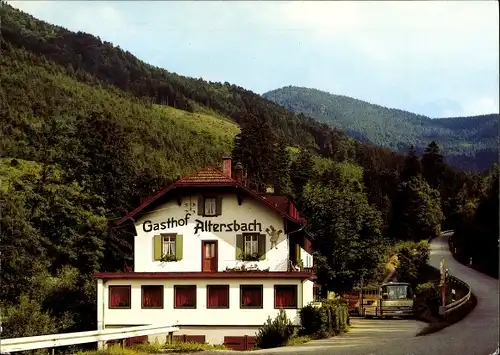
column 443, row 295
column 442, row 284
column 123, row 343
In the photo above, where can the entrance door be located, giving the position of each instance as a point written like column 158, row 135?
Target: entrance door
column 209, row 256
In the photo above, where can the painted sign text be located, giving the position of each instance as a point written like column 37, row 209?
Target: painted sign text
column 203, row 226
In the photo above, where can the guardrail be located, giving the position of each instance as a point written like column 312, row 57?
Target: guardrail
column 56, row 340
column 454, row 305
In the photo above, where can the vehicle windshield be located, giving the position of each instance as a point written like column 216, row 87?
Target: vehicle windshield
column 397, row 292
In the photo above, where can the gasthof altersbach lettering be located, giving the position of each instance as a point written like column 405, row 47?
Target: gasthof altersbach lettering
column 203, row 226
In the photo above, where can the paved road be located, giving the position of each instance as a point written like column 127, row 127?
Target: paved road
column 476, row 334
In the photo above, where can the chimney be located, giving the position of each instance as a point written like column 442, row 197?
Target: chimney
column 238, row 172
column 226, row 166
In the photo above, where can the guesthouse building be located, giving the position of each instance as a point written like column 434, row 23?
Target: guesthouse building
column 212, row 256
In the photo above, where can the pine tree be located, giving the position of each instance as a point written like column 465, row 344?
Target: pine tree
column 412, row 166
column 416, row 212
column 301, row 171
column 255, row 148
column 281, row 170
column 433, row 165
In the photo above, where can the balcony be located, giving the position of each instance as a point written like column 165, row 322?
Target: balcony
column 295, row 267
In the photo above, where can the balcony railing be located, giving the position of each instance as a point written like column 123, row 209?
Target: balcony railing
column 292, row 267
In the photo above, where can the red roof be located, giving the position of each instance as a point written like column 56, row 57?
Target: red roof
column 210, row 177
column 281, row 202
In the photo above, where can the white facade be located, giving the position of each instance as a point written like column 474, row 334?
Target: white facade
column 176, row 228
column 201, row 315
column 215, row 324
column 250, row 211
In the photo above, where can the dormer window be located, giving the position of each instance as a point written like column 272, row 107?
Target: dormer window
column 209, row 206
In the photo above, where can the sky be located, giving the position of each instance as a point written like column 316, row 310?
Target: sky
column 437, row 58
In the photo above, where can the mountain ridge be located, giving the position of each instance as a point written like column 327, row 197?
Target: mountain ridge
column 469, row 142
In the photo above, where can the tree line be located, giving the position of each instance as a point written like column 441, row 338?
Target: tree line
column 469, row 143
column 358, row 211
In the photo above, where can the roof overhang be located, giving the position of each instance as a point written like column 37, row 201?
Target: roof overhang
column 204, row 275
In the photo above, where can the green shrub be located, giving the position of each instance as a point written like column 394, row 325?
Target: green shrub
column 424, row 288
column 337, row 315
column 275, row 333
column 311, row 320
column 330, row 319
column 427, row 298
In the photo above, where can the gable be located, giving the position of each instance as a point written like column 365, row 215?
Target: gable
column 207, row 178
column 229, row 216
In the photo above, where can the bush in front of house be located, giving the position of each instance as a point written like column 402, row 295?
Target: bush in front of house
column 275, row 333
column 337, row 315
column 321, row 322
column 312, row 320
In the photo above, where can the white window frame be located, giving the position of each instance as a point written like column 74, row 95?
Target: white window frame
column 168, row 243
column 251, row 243
column 211, row 202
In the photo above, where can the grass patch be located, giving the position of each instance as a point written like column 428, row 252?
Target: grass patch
column 202, row 122
column 186, row 347
column 297, row 340
column 114, row 350
column 148, row 348
column 455, row 316
column 154, row 348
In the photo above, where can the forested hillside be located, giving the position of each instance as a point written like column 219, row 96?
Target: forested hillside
column 84, row 135
column 83, row 53
column 468, row 142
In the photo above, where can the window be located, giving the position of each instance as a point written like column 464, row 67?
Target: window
column 251, row 245
column 209, row 206
column 119, row 296
column 185, row 296
column 169, row 244
column 218, row 296
column 251, row 296
column 285, row 296
column 152, row 296
column 167, row 247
